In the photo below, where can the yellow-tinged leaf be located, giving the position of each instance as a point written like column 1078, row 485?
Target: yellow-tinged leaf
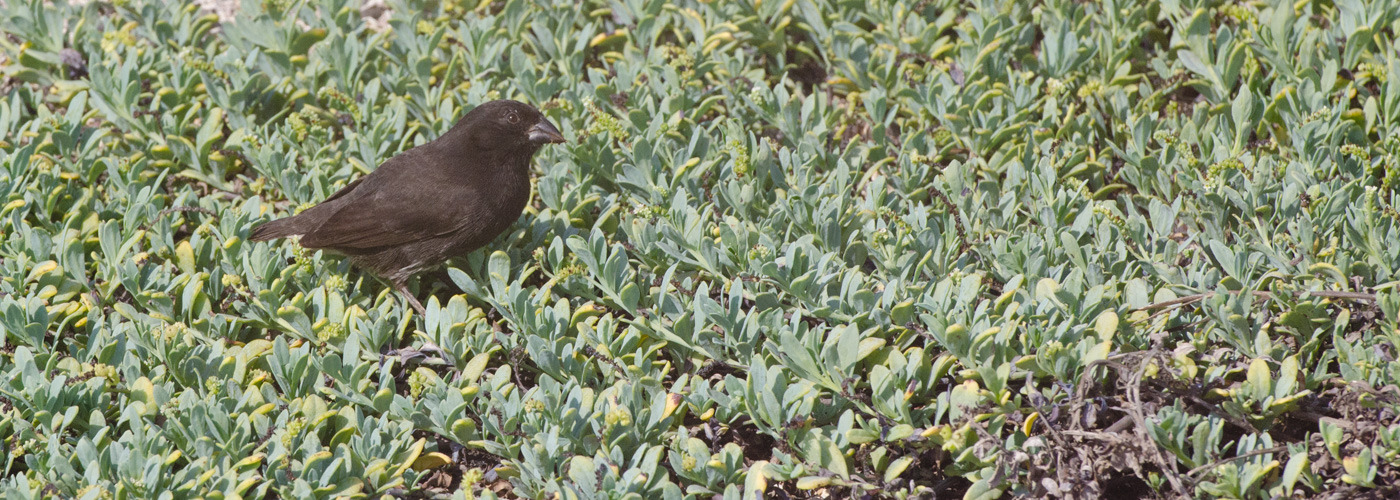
column 673, row 401
column 758, row 477
column 1287, row 377
column 1260, row 381
column 1099, row 352
column 986, row 334
column 143, row 391
column 376, row 467
column 348, row 487
column 506, row 471
column 897, row 467
column 1328, row 270
column 262, row 377
column 43, row 268
column 162, row 151
column 476, row 366
column 382, row 399
column 982, row 490
column 250, row 461
column 902, row 312
column 303, row 42
column 316, row 458
column 1284, row 403
column 868, row 346
column 1350, row 463
column 247, row 484
column 412, row 456
column 431, row 460
column 1291, row 472
column 1220, row 393
column 427, row 374
column 861, row 436
column 184, row 257
column 203, row 478
column 255, row 348
column 1046, row 287
column 955, row 332
column 463, row 429
column 1106, row 325
column 603, row 38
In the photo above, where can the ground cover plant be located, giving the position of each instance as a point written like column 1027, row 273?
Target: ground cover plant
column 794, row 249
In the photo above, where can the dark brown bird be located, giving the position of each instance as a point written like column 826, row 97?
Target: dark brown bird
column 444, row 198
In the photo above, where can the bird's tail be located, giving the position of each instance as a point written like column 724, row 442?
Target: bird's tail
column 280, row 228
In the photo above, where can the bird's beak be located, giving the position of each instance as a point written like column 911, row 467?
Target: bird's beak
column 545, row 132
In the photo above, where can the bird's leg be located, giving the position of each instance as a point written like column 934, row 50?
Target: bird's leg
column 402, row 288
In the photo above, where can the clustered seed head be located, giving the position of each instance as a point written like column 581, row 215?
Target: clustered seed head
column 336, row 283
column 648, row 211
column 942, row 136
column 1377, row 71
column 605, row 122
column 293, row 430
column 1216, row 171
column 618, row 416
column 331, row 332
column 1091, row 88
column 1357, row 153
column 1320, row 114
column 202, row 65
column 417, row 383
column 760, row 253
column 339, row 100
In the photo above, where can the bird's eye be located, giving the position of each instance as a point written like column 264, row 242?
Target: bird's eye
column 513, row 118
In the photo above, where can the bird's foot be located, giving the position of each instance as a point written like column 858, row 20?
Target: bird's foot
column 412, row 301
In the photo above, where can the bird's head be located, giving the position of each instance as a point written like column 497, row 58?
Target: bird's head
column 507, row 124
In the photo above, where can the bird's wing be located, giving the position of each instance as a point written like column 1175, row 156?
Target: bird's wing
column 345, row 190
column 403, row 203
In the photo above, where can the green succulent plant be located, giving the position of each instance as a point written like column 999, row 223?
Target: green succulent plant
column 895, row 249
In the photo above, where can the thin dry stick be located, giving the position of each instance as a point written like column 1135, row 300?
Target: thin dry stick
column 1133, row 390
column 963, row 246
column 1134, row 393
column 186, row 209
column 1095, row 435
column 1082, row 387
column 1212, row 465
column 919, row 7
column 172, row 210
column 1326, row 294
column 1166, row 306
